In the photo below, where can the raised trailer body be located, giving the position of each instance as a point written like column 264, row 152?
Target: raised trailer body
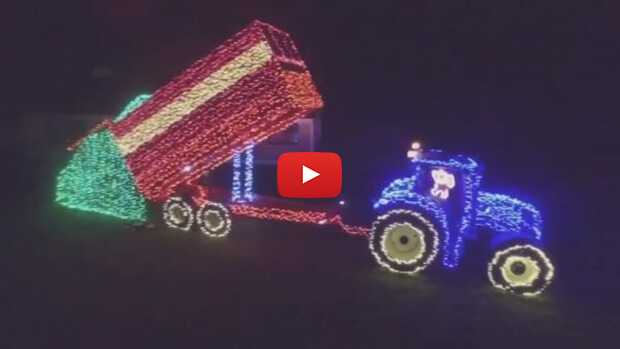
column 249, row 88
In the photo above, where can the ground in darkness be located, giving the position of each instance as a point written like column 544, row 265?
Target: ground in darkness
column 79, row 280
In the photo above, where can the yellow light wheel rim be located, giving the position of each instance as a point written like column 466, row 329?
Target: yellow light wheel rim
column 520, row 271
column 403, row 243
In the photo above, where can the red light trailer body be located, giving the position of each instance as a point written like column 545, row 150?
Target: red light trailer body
column 249, row 88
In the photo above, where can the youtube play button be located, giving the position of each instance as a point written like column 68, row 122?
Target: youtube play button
column 309, row 175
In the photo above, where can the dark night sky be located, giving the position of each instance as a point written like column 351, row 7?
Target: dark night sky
column 531, row 88
column 534, row 82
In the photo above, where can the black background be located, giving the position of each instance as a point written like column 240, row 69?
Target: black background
column 531, row 89
column 533, row 84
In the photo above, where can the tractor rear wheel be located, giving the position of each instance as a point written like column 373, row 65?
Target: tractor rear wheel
column 521, row 269
column 404, row 241
column 214, row 219
column 178, row 213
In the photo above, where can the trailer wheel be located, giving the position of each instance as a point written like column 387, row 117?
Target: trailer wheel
column 214, row 219
column 521, row 269
column 404, row 241
column 178, row 213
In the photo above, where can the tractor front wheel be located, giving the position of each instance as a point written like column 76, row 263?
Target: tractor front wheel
column 521, row 269
column 404, row 241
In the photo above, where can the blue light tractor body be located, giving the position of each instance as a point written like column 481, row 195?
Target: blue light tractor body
column 440, row 205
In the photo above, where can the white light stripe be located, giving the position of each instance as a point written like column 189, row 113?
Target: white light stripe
column 246, row 63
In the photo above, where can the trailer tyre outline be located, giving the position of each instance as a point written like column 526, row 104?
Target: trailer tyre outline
column 214, row 219
column 178, row 213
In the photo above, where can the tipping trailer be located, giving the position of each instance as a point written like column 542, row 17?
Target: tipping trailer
column 249, row 88
column 254, row 86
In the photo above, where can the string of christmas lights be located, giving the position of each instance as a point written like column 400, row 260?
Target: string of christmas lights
column 240, row 94
column 445, row 190
column 214, row 220
column 243, row 176
column 521, row 269
column 501, row 213
column 100, row 126
column 312, row 217
column 444, row 181
column 248, row 183
column 505, row 214
column 459, row 223
column 404, row 241
column 97, row 180
column 252, row 86
column 97, row 161
column 131, row 106
column 235, row 191
column 402, row 192
column 178, row 213
column 249, row 88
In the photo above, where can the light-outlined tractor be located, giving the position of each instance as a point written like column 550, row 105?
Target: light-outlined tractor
column 163, row 147
column 429, row 215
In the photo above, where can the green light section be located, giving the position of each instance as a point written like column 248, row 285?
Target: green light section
column 131, row 106
column 98, row 180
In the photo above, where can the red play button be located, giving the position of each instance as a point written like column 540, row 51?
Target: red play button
column 309, row 175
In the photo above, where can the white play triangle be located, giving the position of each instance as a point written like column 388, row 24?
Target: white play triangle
column 308, row 174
